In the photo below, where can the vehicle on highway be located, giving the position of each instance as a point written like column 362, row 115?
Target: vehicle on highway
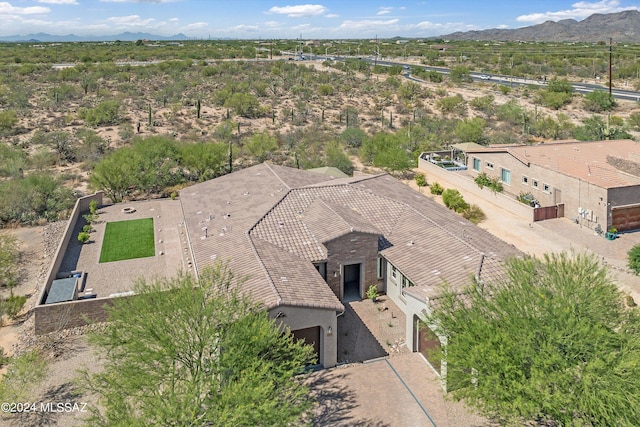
column 485, row 77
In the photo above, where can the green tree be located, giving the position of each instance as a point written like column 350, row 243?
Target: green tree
column 261, row 145
column 634, row 259
column 194, row 352
column 454, row 200
column 353, row 137
column 202, row 162
column 337, row 158
column 552, row 341
column 451, row 104
column 460, row 74
column 471, row 130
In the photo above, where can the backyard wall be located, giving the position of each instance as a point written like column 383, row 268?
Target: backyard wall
column 464, row 183
column 64, row 315
column 82, row 205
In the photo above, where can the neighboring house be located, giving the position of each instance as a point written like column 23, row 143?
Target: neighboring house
column 303, row 243
column 306, row 242
column 596, row 183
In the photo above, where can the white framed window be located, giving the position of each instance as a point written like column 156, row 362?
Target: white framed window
column 394, row 271
column 379, row 268
column 534, row 184
column 489, row 165
column 525, row 180
column 406, row 283
column 546, row 188
column 477, row 164
column 505, row 176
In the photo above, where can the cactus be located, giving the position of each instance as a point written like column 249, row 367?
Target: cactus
column 150, row 119
column 198, row 108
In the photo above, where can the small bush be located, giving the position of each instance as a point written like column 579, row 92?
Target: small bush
column 13, row 305
column 421, row 180
column 83, row 237
column 454, row 200
column 86, row 229
column 474, row 214
column 493, row 183
column 436, row 189
column 634, row 259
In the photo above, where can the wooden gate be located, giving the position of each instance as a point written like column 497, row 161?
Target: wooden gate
column 428, row 344
column 547, row 212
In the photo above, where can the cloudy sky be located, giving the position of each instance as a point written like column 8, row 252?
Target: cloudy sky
column 288, row 19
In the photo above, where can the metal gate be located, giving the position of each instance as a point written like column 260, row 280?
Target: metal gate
column 547, row 212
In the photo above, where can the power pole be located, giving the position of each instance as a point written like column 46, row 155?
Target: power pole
column 610, row 65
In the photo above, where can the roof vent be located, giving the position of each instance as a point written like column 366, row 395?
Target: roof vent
column 246, row 193
column 281, row 223
column 411, row 243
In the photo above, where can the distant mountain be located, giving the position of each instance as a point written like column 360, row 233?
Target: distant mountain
column 621, row 27
column 43, row 37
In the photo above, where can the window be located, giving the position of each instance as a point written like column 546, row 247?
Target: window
column 379, row 267
column 534, row 184
column 406, row 283
column 393, row 271
column 505, row 176
column 545, row 188
column 476, row 164
column 489, row 165
column 525, row 180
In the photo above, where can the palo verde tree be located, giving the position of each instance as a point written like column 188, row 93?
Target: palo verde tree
column 194, row 352
column 552, row 342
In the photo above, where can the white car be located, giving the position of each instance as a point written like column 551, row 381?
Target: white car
column 485, row 77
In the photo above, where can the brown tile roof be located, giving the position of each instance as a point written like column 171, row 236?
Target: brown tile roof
column 272, row 226
column 584, row 160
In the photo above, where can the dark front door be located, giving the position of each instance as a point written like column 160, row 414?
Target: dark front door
column 310, row 336
column 351, row 275
column 428, row 344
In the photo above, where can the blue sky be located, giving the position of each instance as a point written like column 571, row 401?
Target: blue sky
column 288, row 18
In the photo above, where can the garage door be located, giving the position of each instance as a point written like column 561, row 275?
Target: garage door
column 429, row 345
column 310, row 336
column 626, row 218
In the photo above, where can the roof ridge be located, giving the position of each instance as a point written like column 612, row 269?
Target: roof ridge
column 336, row 213
column 264, row 268
column 276, row 175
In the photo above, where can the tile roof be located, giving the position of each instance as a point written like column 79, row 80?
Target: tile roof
column 585, row 160
column 271, row 223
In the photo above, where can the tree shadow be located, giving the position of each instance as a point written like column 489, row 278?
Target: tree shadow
column 356, row 342
column 335, row 402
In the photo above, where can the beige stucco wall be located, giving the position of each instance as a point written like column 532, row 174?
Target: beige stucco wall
column 573, row 192
column 296, row 318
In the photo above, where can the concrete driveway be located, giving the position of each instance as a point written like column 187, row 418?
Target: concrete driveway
column 398, row 391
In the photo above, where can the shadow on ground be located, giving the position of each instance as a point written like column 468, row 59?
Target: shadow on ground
column 356, row 342
column 335, row 402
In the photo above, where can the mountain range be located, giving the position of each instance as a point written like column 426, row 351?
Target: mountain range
column 127, row 36
column 621, row 27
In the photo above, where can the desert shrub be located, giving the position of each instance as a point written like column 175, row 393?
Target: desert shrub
column 104, row 114
column 421, row 180
column 8, row 119
column 474, row 214
column 436, row 188
column 9, row 253
column 36, row 197
column 451, row 104
column 598, row 101
column 13, row 305
column 454, row 200
column 493, row 182
column 353, row 137
column 12, row 161
column 325, row 89
column 634, row 259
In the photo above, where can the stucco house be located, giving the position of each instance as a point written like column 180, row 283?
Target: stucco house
column 307, row 242
column 596, row 183
column 304, row 242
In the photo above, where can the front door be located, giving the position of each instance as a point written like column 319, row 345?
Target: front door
column 351, row 282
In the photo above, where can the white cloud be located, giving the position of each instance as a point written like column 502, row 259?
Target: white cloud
column 384, row 11
column 74, row 2
column 444, row 28
column 137, row 1
column 197, row 25
column 130, row 21
column 366, row 24
column 7, row 9
column 332, row 15
column 299, row 11
column 578, row 11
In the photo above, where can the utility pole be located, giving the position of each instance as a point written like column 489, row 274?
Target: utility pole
column 610, row 65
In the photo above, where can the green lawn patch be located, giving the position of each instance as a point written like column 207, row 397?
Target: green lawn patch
column 128, row 240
